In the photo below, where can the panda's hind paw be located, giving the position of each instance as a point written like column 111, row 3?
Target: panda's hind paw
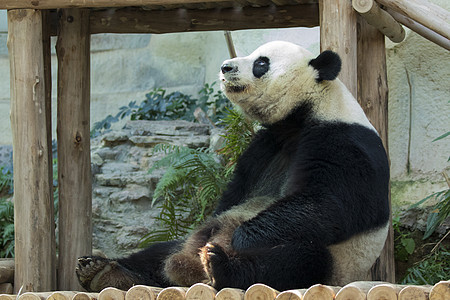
column 215, row 261
column 96, row 273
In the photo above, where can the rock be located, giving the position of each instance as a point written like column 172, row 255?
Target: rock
column 114, row 138
column 170, row 128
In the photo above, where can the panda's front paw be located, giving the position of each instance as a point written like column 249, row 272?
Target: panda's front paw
column 96, row 273
column 216, row 263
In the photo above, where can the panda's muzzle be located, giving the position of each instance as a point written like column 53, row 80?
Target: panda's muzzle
column 228, row 68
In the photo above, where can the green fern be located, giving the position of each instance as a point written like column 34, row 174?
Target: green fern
column 7, row 223
column 194, row 180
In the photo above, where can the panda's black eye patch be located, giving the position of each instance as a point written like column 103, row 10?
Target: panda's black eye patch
column 261, row 66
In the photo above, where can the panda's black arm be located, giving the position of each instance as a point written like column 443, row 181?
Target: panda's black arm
column 248, row 170
column 293, row 218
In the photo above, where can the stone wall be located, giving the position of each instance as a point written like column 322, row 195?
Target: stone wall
column 123, row 187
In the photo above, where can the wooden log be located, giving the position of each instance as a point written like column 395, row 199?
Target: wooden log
column 291, row 295
column 173, row 293
column 440, row 291
column 380, row 19
column 414, row 293
column 6, row 270
column 85, row 296
column 34, row 219
column 424, row 12
column 142, row 292
column 74, row 162
column 34, row 296
column 53, row 4
column 134, row 20
column 230, row 294
column 420, row 29
column 338, row 33
column 111, row 293
column 384, row 292
column 8, row 297
column 6, row 288
column 320, row 291
column 260, row 291
column 373, row 98
column 356, row 290
column 61, row 295
column 201, row 291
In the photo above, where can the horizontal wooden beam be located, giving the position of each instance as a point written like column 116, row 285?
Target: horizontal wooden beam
column 380, row 19
column 133, row 20
column 136, row 20
column 53, row 4
column 424, row 12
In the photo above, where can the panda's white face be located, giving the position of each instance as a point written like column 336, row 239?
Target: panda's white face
column 262, row 83
column 278, row 76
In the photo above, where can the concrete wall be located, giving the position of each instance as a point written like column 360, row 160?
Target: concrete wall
column 125, row 67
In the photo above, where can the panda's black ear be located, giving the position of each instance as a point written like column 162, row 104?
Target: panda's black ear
column 328, row 64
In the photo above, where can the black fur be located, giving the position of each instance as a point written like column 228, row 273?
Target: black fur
column 328, row 64
column 330, row 181
column 261, row 66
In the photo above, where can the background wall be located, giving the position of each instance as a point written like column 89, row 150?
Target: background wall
column 125, row 67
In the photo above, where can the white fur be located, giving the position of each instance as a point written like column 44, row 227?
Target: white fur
column 289, row 81
column 353, row 258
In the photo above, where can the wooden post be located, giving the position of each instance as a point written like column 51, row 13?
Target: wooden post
column 34, row 217
column 338, row 33
column 373, row 97
column 74, row 163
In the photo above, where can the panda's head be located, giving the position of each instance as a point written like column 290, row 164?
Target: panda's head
column 278, row 76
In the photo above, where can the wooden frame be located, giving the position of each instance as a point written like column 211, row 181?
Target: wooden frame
column 360, row 45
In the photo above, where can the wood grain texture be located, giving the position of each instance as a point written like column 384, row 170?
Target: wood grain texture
column 373, row 98
column 380, row 19
column 338, row 33
column 74, row 163
column 34, row 219
column 424, row 12
column 134, row 20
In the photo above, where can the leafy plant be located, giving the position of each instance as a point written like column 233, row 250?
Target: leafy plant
column 432, row 269
column 158, row 105
column 7, row 223
column 187, row 192
column 404, row 243
column 195, row 179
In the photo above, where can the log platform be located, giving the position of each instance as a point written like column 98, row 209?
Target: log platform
column 360, row 290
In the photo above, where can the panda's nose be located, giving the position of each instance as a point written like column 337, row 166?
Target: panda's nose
column 228, row 68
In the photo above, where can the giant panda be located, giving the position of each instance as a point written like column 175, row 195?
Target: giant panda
column 309, row 199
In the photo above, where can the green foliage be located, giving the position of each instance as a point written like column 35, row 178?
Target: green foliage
column 7, row 225
column 432, row 269
column 404, row 243
column 158, row 105
column 187, row 192
column 439, row 212
column 194, row 180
